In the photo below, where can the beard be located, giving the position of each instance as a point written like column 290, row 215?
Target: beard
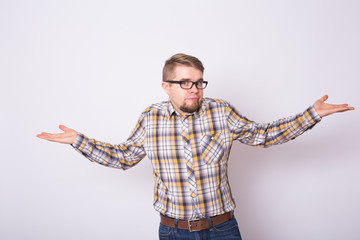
column 190, row 108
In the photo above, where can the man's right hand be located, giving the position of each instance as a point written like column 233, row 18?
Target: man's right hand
column 68, row 136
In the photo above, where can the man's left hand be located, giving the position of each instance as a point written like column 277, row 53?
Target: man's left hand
column 324, row 109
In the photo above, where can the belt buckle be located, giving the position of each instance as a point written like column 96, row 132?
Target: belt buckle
column 189, row 224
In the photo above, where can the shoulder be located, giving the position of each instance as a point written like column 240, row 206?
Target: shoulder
column 220, row 105
column 216, row 102
column 156, row 107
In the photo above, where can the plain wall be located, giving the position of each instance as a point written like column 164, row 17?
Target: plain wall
column 95, row 65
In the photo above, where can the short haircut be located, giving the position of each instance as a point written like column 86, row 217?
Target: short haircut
column 180, row 59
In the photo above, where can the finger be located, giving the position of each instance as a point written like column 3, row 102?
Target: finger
column 343, row 106
column 55, row 136
column 41, row 136
column 324, row 98
column 342, row 109
column 45, row 136
column 346, row 108
column 336, row 106
column 58, row 137
column 64, row 128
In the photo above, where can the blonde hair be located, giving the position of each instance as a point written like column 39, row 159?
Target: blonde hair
column 180, row 59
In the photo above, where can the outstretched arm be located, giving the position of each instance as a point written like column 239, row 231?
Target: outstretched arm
column 282, row 130
column 325, row 109
column 124, row 155
column 68, row 136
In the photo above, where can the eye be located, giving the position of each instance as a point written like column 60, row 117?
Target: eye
column 185, row 83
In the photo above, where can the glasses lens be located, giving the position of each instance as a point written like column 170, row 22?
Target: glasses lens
column 186, row 84
column 203, row 85
column 189, row 84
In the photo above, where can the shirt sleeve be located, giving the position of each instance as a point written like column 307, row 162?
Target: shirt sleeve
column 124, row 155
column 268, row 134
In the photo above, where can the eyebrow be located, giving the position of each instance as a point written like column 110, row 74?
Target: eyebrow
column 188, row 79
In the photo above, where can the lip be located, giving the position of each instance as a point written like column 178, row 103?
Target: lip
column 192, row 98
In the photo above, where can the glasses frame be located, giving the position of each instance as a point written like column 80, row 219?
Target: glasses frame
column 197, row 84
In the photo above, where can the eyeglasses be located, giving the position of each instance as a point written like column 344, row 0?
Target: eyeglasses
column 190, row 84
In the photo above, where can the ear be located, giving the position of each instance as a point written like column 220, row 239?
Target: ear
column 166, row 87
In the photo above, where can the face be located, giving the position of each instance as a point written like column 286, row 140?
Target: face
column 184, row 100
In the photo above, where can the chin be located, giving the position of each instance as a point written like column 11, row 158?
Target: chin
column 190, row 109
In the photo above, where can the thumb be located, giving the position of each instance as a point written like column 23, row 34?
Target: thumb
column 62, row 127
column 324, row 98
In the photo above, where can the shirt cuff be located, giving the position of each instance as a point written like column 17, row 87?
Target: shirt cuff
column 312, row 116
column 79, row 142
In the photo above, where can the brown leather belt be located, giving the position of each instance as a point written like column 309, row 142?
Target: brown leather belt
column 196, row 225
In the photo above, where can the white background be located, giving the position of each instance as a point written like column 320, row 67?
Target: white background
column 95, row 65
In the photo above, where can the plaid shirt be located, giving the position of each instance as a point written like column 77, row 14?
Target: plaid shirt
column 189, row 154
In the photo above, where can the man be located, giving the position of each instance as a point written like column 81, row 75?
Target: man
column 188, row 141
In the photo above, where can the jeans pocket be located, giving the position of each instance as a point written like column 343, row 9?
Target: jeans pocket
column 164, row 232
column 228, row 226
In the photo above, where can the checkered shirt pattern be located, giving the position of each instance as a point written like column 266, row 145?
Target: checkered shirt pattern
column 189, row 155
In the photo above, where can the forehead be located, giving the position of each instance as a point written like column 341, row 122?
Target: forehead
column 182, row 72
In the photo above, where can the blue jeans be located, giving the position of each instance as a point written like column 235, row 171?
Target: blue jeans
column 226, row 231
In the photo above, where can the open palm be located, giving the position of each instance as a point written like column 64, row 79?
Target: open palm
column 324, row 109
column 68, row 136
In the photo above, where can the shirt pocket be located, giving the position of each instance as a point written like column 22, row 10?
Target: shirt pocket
column 213, row 148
